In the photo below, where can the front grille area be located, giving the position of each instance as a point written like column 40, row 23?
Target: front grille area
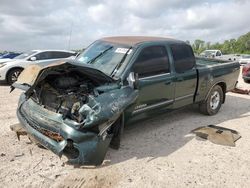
column 51, row 134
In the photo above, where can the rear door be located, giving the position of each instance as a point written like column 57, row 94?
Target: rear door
column 44, row 56
column 60, row 55
column 185, row 74
column 154, row 79
column 50, row 56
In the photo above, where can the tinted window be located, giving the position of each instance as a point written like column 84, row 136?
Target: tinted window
column 183, row 57
column 218, row 53
column 43, row 56
column 57, row 55
column 151, row 61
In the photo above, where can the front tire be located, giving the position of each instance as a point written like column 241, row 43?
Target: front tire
column 13, row 75
column 213, row 103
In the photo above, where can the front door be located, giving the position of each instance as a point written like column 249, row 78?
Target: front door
column 155, row 81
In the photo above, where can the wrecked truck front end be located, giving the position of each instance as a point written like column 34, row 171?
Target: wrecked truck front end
column 71, row 109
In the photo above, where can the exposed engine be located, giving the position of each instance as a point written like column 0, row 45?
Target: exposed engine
column 65, row 93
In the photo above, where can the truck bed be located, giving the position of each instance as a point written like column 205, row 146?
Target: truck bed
column 213, row 71
column 202, row 61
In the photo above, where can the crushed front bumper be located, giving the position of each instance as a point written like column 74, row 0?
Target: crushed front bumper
column 81, row 147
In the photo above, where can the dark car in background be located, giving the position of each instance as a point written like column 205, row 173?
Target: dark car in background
column 9, row 55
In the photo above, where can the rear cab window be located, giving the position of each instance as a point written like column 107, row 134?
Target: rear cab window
column 152, row 61
column 183, row 57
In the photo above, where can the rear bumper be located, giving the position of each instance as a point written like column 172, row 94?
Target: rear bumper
column 86, row 148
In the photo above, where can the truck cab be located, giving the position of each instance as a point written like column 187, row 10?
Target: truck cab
column 163, row 80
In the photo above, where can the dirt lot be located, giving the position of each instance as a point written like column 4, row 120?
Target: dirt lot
column 154, row 153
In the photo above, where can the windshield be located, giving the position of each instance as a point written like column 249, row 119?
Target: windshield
column 24, row 55
column 106, row 57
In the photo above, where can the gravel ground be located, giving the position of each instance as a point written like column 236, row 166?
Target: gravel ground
column 155, row 153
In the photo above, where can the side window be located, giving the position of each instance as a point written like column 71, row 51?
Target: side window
column 151, row 61
column 43, row 56
column 218, row 53
column 58, row 55
column 183, row 57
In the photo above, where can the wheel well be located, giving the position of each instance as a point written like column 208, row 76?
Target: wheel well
column 11, row 70
column 224, row 89
column 119, row 123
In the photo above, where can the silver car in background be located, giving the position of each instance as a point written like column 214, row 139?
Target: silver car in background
column 9, row 71
column 245, row 59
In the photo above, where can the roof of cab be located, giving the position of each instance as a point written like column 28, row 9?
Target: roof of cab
column 133, row 40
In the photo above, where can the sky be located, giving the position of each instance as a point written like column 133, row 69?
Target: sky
column 74, row 24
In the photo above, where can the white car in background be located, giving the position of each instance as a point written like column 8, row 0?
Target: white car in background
column 245, row 59
column 211, row 53
column 5, row 60
column 9, row 71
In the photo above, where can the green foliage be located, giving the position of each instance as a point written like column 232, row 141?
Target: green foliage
column 198, row 46
column 232, row 46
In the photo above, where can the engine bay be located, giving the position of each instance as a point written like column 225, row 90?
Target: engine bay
column 65, row 93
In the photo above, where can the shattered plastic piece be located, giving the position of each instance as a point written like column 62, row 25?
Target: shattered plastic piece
column 18, row 129
column 217, row 135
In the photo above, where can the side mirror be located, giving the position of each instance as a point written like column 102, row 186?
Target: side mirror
column 133, row 80
column 33, row 59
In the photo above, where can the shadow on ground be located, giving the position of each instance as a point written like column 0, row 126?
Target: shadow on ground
column 166, row 133
column 3, row 83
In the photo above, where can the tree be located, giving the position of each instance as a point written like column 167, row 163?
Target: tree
column 188, row 42
column 208, row 44
column 247, row 44
column 198, row 46
column 232, row 46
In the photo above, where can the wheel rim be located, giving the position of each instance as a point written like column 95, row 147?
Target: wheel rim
column 15, row 75
column 215, row 100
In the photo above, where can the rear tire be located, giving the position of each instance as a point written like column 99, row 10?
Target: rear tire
column 13, row 75
column 213, row 102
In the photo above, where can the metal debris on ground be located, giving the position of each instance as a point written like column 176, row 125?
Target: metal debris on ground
column 218, row 135
column 241, row 91
column 18, row 129
column 19, row 154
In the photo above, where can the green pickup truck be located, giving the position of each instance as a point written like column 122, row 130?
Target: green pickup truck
column 79, row 108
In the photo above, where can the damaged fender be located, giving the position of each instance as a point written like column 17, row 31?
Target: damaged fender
column 71, row 112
